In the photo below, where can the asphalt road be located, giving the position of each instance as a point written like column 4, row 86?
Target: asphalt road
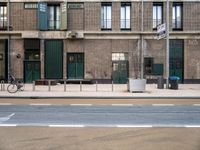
column 101, row 115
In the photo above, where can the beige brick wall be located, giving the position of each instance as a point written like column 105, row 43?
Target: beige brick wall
column 98, row 55
column 148, row 9
column 191, row 59
column 135, row 16
column 157, row 50
column 191, row 16
column 23, row 19
column 75, row 19
column 17, row 16
column 16, row 64
column 116, row 16
column 92, row 16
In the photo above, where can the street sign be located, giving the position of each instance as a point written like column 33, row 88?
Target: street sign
column 161, row 31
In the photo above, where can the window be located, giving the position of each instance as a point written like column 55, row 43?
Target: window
column 177, row 22
column 3, row 16
column 53, row 17
column 30, row 5
column 106, row 14
column 119, row 56
column 125, row 16
column 157, row 14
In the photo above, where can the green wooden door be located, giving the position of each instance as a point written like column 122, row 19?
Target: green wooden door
column 75, row 65
column 53, row 59
column 31, row 71
column 176, row 59
column 120, row 72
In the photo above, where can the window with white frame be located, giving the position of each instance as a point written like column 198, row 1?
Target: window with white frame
column 177, row 22
column 3, row 16
column 53, row 17
column 30, row 5
column 125, row 16
column 157, row 14
column 106, row 15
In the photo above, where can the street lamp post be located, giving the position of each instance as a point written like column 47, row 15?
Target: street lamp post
column 167, row 45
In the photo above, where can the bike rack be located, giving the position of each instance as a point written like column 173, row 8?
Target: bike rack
column 2, row 85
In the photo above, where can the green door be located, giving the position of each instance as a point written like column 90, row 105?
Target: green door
column 32, row 71
column 53, row 59
column 120, row 71
column 176, row 59
column 75, row 65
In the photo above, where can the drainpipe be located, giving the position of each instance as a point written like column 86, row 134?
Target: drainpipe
column 8, row 29
column 141, row 41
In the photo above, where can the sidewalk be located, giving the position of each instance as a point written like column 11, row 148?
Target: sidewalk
column 103, row 91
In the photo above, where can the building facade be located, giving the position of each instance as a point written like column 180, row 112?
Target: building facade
column 98, row 39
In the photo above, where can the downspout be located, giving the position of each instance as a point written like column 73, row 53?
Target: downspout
column 8, row 29
column 141, row 42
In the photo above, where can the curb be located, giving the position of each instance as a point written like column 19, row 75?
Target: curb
column 99, row 97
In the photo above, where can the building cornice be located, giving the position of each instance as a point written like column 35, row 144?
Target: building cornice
column 99, row 34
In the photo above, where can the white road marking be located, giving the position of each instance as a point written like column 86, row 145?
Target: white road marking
column 3, row 119
column 8, row 125
column 134, row 126
column 81, row 104
column 192, row 126
column 163, row 104
column 38, row 104
column 68, row 126
column 122, row 104
column 5, row 104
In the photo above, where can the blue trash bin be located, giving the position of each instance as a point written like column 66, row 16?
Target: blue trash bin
column 173, row 82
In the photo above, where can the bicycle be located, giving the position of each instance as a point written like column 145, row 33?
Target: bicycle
column 15, row 85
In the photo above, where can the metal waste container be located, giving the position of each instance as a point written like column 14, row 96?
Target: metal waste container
column 160, row 82
column 173, row 82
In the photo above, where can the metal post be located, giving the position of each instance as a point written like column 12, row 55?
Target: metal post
column 49, row 85
column 80, row 85
column 112, row 87
column 96, row 86
column 33, row 85
column 2, row 85
column 167, row 45
column 65, row 88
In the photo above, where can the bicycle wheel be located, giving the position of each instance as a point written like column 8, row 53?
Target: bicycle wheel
column 12, row 88
column 21, row 85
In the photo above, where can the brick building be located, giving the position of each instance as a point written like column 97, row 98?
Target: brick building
column 98, row 39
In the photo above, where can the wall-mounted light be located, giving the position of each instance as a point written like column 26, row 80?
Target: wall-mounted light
column 1, row 56
column 18, row 56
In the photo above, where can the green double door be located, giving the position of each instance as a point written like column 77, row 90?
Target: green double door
column 176, row 59
column 120, row 71
column 75, row 65
column 31, row 71
column 53, row 59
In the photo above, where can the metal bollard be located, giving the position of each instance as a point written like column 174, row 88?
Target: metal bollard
column 96, row 86
column 2, row 85
column 80, row 85
column 65, row 88
column 49, row 85
column 112, row 87
column 33, row 85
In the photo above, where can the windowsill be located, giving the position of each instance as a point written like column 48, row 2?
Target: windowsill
column 177, row 29
column 125, row 29
column 104, row 29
